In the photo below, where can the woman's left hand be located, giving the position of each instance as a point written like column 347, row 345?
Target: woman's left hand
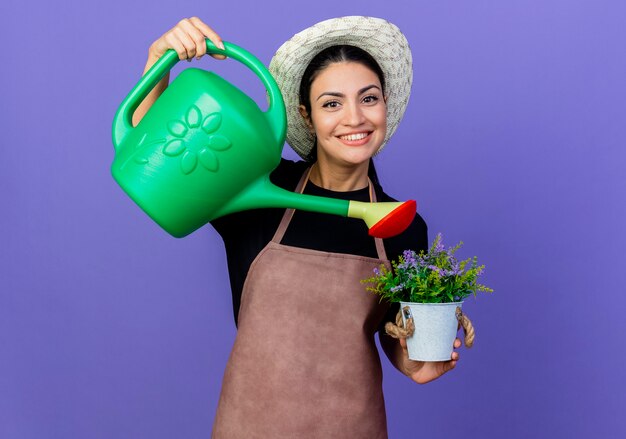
column 423, row 372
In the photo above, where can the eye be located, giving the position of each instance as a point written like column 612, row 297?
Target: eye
column 370, row 99
column 331, row 104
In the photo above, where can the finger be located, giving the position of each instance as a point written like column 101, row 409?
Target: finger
column 403, row 344
column 210, row 34
column 455, row 356
column 197, row 37
column 457, row 343
column 446, row 366
column 172, row 41
column 186, row 41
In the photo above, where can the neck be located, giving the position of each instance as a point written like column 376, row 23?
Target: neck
column 339, row 179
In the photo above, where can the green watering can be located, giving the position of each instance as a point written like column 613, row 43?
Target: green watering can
column 205, row 149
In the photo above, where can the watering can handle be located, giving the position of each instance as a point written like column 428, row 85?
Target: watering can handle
column 122, row 123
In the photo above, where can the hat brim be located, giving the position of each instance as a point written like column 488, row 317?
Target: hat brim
column 380, row 38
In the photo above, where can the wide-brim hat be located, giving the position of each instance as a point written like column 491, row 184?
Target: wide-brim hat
column 380, row 38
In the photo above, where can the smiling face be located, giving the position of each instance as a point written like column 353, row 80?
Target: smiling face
column 348, row 114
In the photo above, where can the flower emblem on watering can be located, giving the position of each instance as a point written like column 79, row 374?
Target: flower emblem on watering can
column 194, row 140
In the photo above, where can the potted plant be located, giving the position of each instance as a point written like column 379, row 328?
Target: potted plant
column 430, row 288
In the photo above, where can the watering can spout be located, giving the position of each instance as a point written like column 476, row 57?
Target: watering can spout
column 262, row 193
column 384, row 220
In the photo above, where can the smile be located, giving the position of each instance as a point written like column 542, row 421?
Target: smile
column 355, row 139
column 357, row 136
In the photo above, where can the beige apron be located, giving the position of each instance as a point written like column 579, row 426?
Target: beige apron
column 304, row 363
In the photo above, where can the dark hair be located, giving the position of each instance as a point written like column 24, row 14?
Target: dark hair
column 332, row 55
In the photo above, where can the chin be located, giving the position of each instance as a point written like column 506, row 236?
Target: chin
column 355, row 160
column 350, row 155
column 359, row 156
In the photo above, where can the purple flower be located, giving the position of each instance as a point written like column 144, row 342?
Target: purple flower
column 452, row 273
column 421, row 261
column 455, row 269
column 437, row 270
column 409, row 257
column 439, row 246
column 409, row 260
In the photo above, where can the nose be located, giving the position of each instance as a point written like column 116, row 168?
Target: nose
column 353, row 114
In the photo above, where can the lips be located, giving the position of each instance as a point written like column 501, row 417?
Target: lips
column 355, row 139
column 357, row 136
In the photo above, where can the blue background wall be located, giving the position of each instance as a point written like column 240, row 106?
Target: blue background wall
column 513, row 142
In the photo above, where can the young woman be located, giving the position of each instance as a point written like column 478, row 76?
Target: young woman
column 304, row 363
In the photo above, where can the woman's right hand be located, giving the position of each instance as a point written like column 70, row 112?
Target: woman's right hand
column 187, row 38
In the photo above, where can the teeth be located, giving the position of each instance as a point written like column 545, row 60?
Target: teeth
column 354, row 136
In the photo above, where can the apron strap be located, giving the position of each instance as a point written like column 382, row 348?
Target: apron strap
column 380, row 248
column 284, row 222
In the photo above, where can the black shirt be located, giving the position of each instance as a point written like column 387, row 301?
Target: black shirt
column 246, row 233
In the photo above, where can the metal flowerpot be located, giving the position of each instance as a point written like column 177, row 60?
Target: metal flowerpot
column 436, row 326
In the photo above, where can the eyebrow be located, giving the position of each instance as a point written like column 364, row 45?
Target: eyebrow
column 341, row 95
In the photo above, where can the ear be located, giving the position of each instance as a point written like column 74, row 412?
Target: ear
column 307, row 118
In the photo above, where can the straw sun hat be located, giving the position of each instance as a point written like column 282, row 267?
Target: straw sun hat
column 378, row 37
